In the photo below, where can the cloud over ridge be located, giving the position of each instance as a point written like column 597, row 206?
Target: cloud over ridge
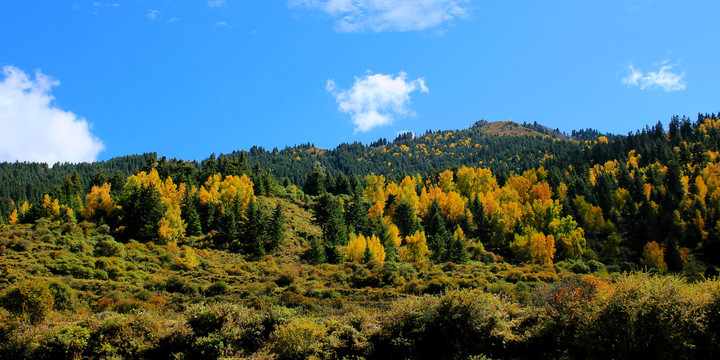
column 34, row 129
column 375, row 99
column 353, row 16
column 662, row 79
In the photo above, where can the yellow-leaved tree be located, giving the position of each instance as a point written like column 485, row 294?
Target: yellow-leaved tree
column 416, row 249
column 363, row 249
column 471, row 181
column 534, row 247
column 654, row 256
column 51, row 207
column 223, row 191
column 98, row 204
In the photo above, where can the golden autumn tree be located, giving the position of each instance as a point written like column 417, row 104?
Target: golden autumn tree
column 534, row 247
column 471, row 181
column 223, row 191
column 363, row 249
column 51, row 207
column 14, row 218
column 451, row 203
column 98, row 204
column 416, row 249
column 446, row 181
column 654, row 256
column 375, row 188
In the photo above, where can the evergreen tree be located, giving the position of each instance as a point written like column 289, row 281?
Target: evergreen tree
column 315, row 183
column 383, row 233
column 117, row 182
column 99, row 179
column 332, row 254
column 405, row 219
column 227, row 231
column 483, row 228
column 342, row 185
column 315, row 255
column 438, row 239
column 191, row 216
column 356, row 215
column 142, row 211
column 328, row 214
column 276, row 231
column 367, row 255
column 254, row 234
column 457, row 251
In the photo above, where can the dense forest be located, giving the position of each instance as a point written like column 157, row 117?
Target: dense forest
column 502, row 240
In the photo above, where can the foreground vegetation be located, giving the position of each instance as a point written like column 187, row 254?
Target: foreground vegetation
column 76, row 293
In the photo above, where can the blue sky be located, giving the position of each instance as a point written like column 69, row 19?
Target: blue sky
column 86, row 80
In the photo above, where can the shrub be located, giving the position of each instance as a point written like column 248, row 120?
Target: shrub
column 126, row 335
column 31, row 300
column 63, row 295
column 300, row 338
column 67, row 343
column 181, row 285
column 227, row 328
column 457, row 325
column 108, row 247
column 643, row 316
column 217, row 288
column 595, row 266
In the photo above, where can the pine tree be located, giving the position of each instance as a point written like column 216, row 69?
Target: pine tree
column 191, row 216
column 356, row 215
column 315, row 255
column 383, row 233
column 405, row 219
column 482, row 224
column 142, row 210
column 367, row 255
column 99, row 179
column 315, row 183
column 328, row 214
column 254, row 234
column 332, row 254
column 227, row 231
column 438, row 239
column 276, row 231
column 458, row 251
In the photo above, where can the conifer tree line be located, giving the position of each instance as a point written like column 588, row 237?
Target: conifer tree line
column 650, row 198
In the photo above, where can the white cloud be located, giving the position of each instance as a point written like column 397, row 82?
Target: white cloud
column 34, row 129
column 152, row 14
column 375, row 99
column 216, row 3
column 663, row 78
column 222, row 23
column 386, row 15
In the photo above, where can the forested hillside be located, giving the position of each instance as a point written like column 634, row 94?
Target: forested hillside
column 498, row 241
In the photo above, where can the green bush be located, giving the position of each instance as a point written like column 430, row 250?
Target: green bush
column 67, row 343
column 126, row 335
column 217, row 288
column 31, row 300
column 644, row 316
column 177, row 284
column 301, row 338
column 457, row 325
column 108, row 247
column 225, row 328
column 63, row 295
